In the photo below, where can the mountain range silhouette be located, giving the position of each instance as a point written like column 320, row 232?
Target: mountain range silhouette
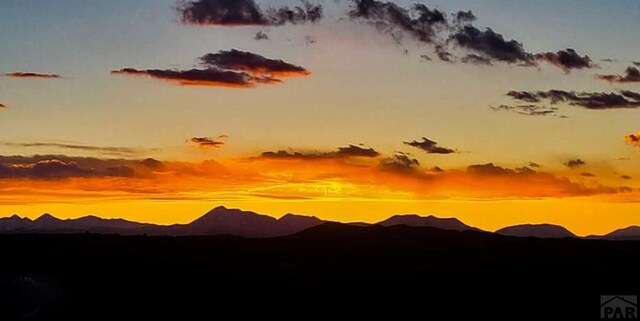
column 226, row 221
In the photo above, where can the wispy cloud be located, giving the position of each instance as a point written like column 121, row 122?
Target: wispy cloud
column 528, row 109
column 566, row 59
column 90, row 148
column 32, row 75
column 429, row 146
column 245, row 12
column 341, row 152
column 588, row 100
column 207, row 142
column 450, row 32
column 631, row 74
column 574, row 163
column 420, row 22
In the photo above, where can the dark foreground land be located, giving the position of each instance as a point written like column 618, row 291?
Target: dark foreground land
column 332, row 270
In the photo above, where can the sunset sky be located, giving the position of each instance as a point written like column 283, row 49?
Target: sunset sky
column 494, row 112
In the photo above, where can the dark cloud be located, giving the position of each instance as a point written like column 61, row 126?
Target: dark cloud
column 99, row 149
column 55, row 169
column 261, row 36
column 608, row 60
column 476, row 60
column 636, row 63
column 420, row 22
column 206, row 142
column 566, row 59
column 443, row 54
column 3, row 105
column 633, row 139
column 430, row 146
column 400, row 162
column 32, row 75
column 527, row 110
column 489, row 169
column 62, row 166
column 526, row 181
column 342, row 152
column 534, row 165
column 353, row 150
column 625, row 177
column 491, row 45
column 524, row 96
column 199, row 77
column 251, row 63
column 464, row 17
column 151, row 163
column 631, row 74
column 436, row 169
column 589, row 100
column 230, row 68
column 587, row 174
column 245, row 12
column 484, row 46
column 574, row 163
column 425, row 57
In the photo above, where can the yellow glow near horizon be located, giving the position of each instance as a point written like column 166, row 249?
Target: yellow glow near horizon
column 582, row 216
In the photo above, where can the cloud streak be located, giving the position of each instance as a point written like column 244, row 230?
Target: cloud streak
column 32, row 75
column 588, row 100
column 251, row 63
column 245, row 13
column 199, row 77
column 527, row 110
column 207, row 142
column 99, row 149
column 631, row 74
column 574, row 163
column 57, row 169
column 341, row 152
column 429, row 146
column 231, row 68
column 566, row 59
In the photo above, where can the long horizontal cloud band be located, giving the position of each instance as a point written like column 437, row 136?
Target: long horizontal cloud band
column 357, row 171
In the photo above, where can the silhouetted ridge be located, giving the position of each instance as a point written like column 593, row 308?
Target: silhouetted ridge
column 536, row 230
column 432, row 221
column 226, row 221
column 628, row 233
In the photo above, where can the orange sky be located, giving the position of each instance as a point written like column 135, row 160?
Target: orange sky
column 126, row 109
column 328, row 185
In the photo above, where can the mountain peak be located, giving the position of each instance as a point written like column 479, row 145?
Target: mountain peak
column 431, row 221
column 46, row 217
column 290, row 216
column 536, row 230
column 627, row 233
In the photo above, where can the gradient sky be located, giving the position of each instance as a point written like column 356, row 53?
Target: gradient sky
column 364, row 88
